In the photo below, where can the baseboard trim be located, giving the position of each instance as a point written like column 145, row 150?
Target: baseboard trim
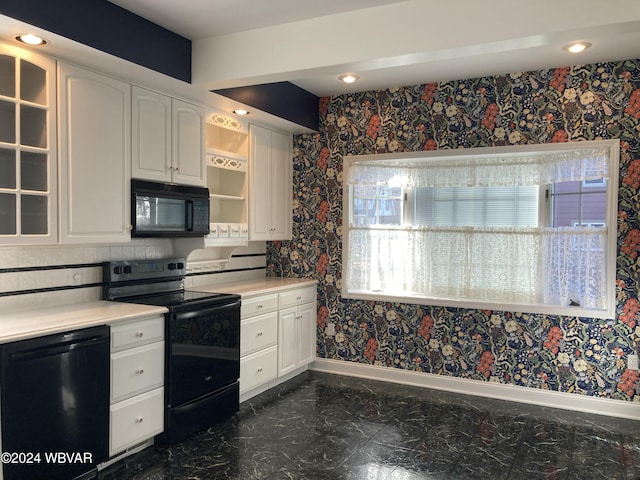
column 546, row 398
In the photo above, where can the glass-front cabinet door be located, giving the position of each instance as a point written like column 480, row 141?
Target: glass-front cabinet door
column 27, row 148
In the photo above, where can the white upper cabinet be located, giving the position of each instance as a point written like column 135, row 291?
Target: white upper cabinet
column 95, row 150
column 28, row 160
column 270, row 184
column 188, row 143
column 151, row 135
column 168, row 139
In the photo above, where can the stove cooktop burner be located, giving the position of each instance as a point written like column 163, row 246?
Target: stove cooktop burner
column 181, row 298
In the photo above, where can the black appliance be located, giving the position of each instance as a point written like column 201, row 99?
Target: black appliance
column 168, row 210
column 202, row 335
column 55, row 404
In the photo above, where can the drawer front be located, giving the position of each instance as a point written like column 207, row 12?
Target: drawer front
column 258, row 368
column 136, row 370
column 133, row 334
column 258, row 332
column 297, row 297
column 258, row 305
column 133, row 421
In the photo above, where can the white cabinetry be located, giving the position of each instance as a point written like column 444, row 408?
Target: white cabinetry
column 94, row 141
column 137, row 379
column 296, row 329
column 187, row 143
column 277, row 337
column 150, row 135
column 258, row 341
column 28, row 197
column 167, row 139
column 270, row 184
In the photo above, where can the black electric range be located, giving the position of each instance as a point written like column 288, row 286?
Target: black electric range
column 202, row 341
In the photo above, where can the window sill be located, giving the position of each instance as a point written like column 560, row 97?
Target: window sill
column 481, row 305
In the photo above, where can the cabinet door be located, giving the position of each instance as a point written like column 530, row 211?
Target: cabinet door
column 270, row 185
column 151, row 135
column 306, row 333
column 287, row 341
column 28, row 151
column 281, row 186
column 95, row 160
column 188, row 143
column 260, row 184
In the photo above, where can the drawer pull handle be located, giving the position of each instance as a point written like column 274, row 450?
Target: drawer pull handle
column 260, row 306
column 140, row 371
column 139, row 334
column 208, row 378
column 259, row 334
column 260, row 370
column 139, row 420
column 299, row 298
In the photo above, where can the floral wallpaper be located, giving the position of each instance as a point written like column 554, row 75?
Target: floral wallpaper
column 567, row 354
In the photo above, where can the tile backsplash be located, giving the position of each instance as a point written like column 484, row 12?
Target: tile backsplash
column 39, row 277
column 53, row 275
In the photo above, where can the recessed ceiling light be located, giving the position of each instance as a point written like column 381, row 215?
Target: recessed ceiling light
column 31, row 39
column 349, row 78
column 240, row 111
column 577, row 47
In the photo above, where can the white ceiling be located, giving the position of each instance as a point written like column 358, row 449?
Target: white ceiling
column 197, row 19
column 389, row 42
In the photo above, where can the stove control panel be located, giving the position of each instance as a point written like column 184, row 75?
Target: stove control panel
column 130, row 270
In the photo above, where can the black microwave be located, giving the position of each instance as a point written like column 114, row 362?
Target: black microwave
column 168, row 210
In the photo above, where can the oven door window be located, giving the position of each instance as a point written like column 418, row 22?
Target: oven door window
column 204, row 352
column 160, row 214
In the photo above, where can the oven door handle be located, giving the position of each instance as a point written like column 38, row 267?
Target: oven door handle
column 227, row 307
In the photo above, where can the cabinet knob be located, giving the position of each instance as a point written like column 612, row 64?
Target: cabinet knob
column 140, row 371
column 129, row 227
column 260, row 370
column 259, row 334
column 259, row 306
column 139, row 420
column 139, row 334
column 298, row 298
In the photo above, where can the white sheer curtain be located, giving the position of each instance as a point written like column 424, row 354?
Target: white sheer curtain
column 470, row 263
column 560, row 266
column 486, row 170
column 575, row 261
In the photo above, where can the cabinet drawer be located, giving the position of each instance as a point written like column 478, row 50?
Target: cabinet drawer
column 258, row 332
column 140, row 332
column 136, row 370
column 258, row 368
column 297, row 297
column 136, row 419
column 259, row 305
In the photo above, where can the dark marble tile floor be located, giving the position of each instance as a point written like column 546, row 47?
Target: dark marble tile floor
column 321, row 426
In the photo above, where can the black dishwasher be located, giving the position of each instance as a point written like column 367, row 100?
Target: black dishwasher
column 55, row 404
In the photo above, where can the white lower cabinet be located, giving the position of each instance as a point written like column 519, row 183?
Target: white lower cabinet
column 258, row 368
column 137, row 370
column 134, row 420
column 296, row 328
column 277, row 337
column 258, row 341
column 137, row 383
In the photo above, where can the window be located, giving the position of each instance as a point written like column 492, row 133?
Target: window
column 529, row 228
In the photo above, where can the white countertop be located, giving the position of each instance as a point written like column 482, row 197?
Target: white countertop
column 259, row 286
column 29, row 323
column 23, row 324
